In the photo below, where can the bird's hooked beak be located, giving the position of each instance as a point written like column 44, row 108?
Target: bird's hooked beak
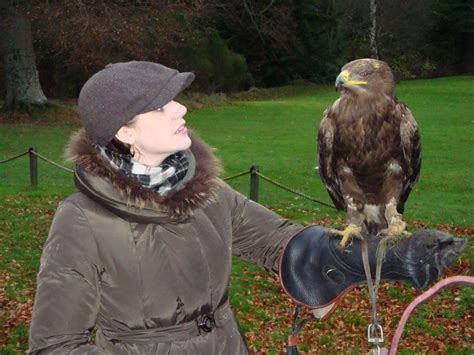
column 344, row 79
column 341, row 79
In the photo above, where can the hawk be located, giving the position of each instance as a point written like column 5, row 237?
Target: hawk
column 369, row 150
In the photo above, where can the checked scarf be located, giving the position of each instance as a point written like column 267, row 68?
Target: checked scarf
column 161, row 178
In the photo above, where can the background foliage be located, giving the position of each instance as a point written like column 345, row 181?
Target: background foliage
column 234, row 44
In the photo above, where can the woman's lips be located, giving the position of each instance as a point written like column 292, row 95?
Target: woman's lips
column 182, row 130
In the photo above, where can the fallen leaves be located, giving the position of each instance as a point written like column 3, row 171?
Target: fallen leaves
column 447, row 319
column 262, row 308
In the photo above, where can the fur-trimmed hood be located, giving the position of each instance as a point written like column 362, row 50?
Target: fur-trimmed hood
column 96, row 178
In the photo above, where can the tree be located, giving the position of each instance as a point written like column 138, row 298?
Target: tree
column 373, row 29
column 21, row 76
column 74, row 39
column 262, row 31
column 467, row 45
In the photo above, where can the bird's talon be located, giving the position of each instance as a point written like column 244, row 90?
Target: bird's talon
column 347, row 234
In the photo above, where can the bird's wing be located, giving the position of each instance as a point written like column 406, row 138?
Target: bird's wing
column 411, row 144
column 325, row 160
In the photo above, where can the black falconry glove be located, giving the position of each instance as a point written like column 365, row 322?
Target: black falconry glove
column 316, row 273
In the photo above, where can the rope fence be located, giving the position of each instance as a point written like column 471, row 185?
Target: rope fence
column 293, row 191
column 13, row 158
column 254, row 173
column 52, row 162
column 236, row 175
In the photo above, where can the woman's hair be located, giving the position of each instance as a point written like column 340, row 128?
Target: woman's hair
column 120, row 147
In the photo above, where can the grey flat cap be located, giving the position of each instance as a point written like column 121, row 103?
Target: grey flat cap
column 119, row 92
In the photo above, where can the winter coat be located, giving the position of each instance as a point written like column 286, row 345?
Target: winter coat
column 143, row 270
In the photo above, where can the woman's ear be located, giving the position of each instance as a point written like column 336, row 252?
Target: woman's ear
column 126, row 134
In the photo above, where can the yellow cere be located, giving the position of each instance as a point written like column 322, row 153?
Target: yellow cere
column 345, row 76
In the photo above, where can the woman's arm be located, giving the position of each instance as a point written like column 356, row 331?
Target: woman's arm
column 67, row 295
column 258, row 233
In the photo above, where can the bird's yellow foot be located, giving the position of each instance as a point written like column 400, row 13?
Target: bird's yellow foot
column 347, row 234
column 396, row 227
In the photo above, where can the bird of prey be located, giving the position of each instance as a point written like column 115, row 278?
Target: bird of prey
column 369, row 150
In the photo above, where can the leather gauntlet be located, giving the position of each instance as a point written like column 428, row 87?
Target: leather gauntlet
column 315, row 273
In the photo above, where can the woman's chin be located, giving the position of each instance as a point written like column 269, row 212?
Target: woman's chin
column 187, row 142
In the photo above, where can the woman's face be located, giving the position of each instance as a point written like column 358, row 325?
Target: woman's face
column 157, row 134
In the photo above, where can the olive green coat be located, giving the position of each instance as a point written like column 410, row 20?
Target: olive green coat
column 140, row 269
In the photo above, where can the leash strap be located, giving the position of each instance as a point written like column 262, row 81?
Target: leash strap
column 425, row 297
column 295, row 329
column 374, row 330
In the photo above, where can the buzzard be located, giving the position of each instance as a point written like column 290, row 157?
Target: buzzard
column 369, row 150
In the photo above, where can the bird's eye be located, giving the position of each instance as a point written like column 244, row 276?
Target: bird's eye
column 363, row 74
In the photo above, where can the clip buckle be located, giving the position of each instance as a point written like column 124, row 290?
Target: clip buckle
column 371, row 333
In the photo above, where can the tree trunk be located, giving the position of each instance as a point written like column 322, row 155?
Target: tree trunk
column 373, row 29
column 467, row 47
column 467, row 53
column 21, row 77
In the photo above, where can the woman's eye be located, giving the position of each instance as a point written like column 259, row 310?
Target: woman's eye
column 160, row 109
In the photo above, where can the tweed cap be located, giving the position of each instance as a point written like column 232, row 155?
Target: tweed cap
column 119, row 92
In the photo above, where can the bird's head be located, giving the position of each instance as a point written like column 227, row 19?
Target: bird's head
column 364, row 76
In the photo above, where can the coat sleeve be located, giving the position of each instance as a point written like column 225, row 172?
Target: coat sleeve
column 67, row 295
column 258, row 234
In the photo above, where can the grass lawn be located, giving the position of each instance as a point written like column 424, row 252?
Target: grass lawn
column 278, row 135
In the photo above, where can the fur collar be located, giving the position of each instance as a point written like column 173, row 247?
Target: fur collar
column 92, row 170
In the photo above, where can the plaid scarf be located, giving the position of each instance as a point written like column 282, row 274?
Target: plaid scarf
column 161, row 178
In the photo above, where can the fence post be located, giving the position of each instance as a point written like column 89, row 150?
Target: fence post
column 33, row 167
column 254, row 183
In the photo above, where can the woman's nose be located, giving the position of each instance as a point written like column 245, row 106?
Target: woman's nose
column 181, row 111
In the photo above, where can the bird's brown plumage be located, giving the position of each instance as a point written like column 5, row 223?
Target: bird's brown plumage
column 368, row 146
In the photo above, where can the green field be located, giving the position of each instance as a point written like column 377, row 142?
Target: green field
column 278, row 135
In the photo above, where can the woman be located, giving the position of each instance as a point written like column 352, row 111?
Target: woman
column 142, row 252
column 147, row 242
